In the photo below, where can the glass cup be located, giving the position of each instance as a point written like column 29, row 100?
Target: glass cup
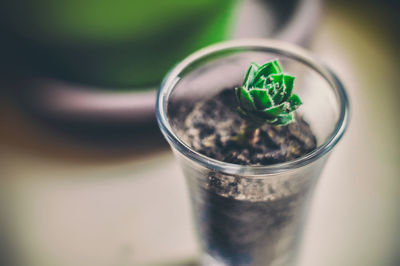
column 262, row 224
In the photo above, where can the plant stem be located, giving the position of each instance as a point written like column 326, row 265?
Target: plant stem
column 247, row 134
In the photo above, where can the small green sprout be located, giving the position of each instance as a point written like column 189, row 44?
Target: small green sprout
column 266, row 97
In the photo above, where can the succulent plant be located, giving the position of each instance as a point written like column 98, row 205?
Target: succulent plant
column 266, row 95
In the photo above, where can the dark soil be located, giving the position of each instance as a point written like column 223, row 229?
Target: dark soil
column 241, row 220
column 244, row 232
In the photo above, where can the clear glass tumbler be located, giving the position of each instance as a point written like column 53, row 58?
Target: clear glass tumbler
column 263, row 225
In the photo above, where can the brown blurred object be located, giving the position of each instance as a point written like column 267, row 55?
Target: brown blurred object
column 91, row 107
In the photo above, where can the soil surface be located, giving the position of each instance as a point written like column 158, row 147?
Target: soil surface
column 211, row 126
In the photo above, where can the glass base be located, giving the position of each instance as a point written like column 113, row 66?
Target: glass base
column 207, row 260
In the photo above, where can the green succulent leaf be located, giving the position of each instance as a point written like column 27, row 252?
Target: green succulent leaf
column 246, row 101
column 276, row 110
column 249, row 77
column 260, row 83
column 268, row 69
column 270, row 88
column 275, row 78
column 261, row 98
column 266, row 95
column 257, row 119
column 277, row 66
column 242, row 113
column 294, row 102
column 237, row 94
column 272, row 121
column 284, row 119
column 279, row 95
column 289, row 82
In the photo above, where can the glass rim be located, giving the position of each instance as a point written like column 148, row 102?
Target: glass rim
column 279, row 47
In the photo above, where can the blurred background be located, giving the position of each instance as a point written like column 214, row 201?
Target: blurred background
column 86, row 177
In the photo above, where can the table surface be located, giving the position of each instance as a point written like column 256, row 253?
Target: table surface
column 64, row 203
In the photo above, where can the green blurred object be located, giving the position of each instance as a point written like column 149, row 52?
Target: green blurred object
column 121, row 43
